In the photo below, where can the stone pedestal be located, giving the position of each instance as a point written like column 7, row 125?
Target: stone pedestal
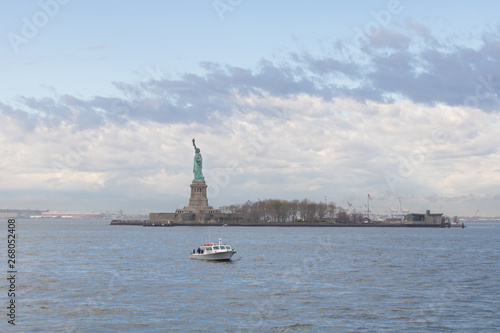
column 197, row 211
column 198, row 203
column 198, row 195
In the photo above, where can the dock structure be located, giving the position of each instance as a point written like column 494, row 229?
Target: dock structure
column 127, row 222
column 144, row 223
column 149, row 223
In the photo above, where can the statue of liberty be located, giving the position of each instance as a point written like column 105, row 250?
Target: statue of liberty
column 197, row 165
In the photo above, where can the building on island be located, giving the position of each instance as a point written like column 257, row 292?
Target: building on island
column 393, row 220
column 426, row 218
column 19, row 213
column 8, row 215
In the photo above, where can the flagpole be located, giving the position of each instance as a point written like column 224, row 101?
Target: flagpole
column 368, row 199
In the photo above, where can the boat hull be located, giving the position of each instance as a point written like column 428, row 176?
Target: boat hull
column 218, row 256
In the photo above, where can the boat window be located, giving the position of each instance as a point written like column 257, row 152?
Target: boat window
column 208, row 248
column 216, row 247
column 228, row 247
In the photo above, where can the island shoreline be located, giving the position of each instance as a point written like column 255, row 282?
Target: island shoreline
column 147, row 223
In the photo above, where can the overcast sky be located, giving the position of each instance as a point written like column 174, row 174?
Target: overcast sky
column 325, row 100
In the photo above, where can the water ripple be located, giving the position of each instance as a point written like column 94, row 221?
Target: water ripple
column 89, row 276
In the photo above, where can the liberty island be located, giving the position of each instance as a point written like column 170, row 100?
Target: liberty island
column 199, row 212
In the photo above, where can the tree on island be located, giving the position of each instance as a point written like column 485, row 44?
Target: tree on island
column 276, row 210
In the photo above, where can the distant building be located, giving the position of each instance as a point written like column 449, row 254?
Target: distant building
column 8, row 215
column 393, row 220
column 19, row 213
column 76, row 215
column 426, row 218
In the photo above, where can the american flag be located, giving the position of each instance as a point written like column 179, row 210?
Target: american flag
column 369, row 197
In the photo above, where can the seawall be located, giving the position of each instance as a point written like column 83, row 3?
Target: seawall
column 148, row 223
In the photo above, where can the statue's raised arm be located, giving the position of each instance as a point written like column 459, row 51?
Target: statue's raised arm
column 197, row 165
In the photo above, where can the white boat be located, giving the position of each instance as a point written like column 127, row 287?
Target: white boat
column 213, row 252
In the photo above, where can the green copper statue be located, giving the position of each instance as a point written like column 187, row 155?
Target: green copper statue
column 197, row 165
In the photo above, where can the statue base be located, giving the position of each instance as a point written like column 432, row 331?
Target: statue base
column 198, row 210
column 198, row 194
column 198, row 203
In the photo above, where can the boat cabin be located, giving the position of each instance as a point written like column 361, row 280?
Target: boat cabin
column 213, row 248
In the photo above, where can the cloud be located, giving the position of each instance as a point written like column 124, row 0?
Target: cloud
column 313, row 126
column 15, row 121
column 341, row 148
column 390, row 39
column 396, row 66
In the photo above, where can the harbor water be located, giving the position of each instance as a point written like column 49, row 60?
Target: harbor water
column 89, row 276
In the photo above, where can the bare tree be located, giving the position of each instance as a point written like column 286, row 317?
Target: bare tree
column 294, row 209
column 342, row 216
column 277, row 206
column 321, row 208
column 303, row 210
column 331, row 210
column 268, row 210
column 283, row 211
column 312, row 210
column 357, row 217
